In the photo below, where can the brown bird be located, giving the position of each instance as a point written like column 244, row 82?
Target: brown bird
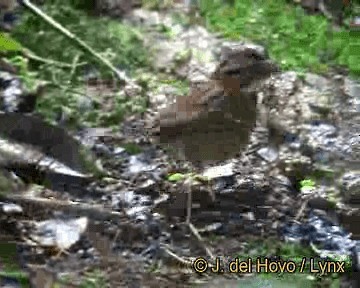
column 215, row 120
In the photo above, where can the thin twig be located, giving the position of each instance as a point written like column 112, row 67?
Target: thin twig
column 201, row 240
column 177, row 258
column 66, row 89
column 91, row 211
column 120, row 74
column 32, row 56
column 74, row 66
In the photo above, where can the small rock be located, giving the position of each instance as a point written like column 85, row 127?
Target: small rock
column 352, row 88
column 350, row 183
column 226, row 170
column 316, row 81
column 10, row 208
column 269, row 154
column 119, row 150
column 59, row 233
column 137, row 165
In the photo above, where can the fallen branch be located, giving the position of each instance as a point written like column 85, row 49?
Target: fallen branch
column 201, row 240
column 179, row 259
column 120, row 74
column 94, row 212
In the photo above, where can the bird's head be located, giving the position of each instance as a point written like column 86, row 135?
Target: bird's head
column 247, row 62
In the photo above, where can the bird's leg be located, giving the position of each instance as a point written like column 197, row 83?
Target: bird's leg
column 188, row 183
column 211, row 192
column 209, row 183
column 188, row 186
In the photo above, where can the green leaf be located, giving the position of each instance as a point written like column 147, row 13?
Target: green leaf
column 9, row 44
column 132, row 148
column 307, row 183
column 176, row 177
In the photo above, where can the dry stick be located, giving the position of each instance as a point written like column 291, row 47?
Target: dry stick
column 201, row 240
column 120, row 74
column 179, row 258
column 91, row 211
column 176, row 257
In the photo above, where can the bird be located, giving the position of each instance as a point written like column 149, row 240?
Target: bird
column 214, row 122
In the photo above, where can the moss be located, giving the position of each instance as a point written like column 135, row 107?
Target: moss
column 287, row 31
